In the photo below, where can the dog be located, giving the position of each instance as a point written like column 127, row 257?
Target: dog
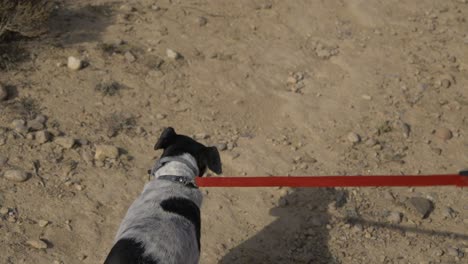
column 162, row 226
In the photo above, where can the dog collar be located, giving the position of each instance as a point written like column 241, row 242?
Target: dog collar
column 161, row 162
column 180, row 179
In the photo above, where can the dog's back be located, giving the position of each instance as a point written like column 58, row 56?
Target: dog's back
column 160, row 225
column 163, row 223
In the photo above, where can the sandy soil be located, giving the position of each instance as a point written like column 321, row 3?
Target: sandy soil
column 287, row 87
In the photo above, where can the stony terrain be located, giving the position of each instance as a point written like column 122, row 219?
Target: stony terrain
column 281, row 87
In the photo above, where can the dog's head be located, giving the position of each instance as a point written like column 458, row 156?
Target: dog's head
column 175, row 145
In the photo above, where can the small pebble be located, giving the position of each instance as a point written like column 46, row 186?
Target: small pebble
column 30, row 136
column 38, row 244
column 172, row 54
column 366, row 97
column 292, row 80
column 406, row 130
column 283, row 202
column 448, row 212
column 43, row 223
column 454, row 252
column 438, row 252
column 16, row 175
column 35, row 125
column 395, row 217
column 43, row 136
column 83, row 142
column 74, row 63
column 371, row 142
column 353, row 137
column 17, row 122
column 221, row 146
column 202, row 21
column 129, row 56
column 422, row 206
column 443, row 133
column 445, row 83
column 106, row 151
column 231, row 145
column 41, row 119
column 4, row 210
column 160, row 116
column 65, row 142
column 3, row 93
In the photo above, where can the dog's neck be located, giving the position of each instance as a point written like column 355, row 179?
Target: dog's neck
column 183, row 165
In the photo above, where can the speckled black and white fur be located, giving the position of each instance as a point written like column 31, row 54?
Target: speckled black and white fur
column 163, row 224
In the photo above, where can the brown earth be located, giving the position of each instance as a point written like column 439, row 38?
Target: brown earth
column 282, row 84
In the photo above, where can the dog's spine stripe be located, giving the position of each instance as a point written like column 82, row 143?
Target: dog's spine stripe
column 185, row 208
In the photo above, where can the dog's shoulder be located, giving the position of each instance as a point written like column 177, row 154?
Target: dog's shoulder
column 129, row 251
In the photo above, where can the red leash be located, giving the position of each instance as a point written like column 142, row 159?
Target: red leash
column 459, row 180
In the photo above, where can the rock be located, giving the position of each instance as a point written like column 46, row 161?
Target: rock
column 161, row 116
column 30, row 136
column 65, row 142
column 129, row 56
column 16, row 175
column 82, row 142
column 4, row 210
column 43, row 223
column 172, row 54
column 35, row 125
column 202, row 21
column 422, row 206
column 43, row 136
column 17, row 122
column 438, row 252
column 74, row 63
column 395, row 217
column 454, row 252
column 406, row 129
column 41, row 119
column 3, row 93
column 38, row 244
column 353, row 137
column 366, row 97
column 291, row 80
column 445, row 83
column 155, row 7
column 22, row 129
column 371, row 142
column 283, row 202
column 106, row 151
column 221, row 146
column 231, row 145
column 443, row 133
column 448, row 212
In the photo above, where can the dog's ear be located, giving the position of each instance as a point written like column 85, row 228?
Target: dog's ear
column 166, row 138
column 212, row 160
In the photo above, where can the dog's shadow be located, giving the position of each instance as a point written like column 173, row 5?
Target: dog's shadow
column 299, row 235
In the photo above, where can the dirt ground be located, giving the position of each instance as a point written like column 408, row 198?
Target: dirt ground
column 325, row 87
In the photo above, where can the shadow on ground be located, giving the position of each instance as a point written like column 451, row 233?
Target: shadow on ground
column 299, row 235
column 74, row 25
